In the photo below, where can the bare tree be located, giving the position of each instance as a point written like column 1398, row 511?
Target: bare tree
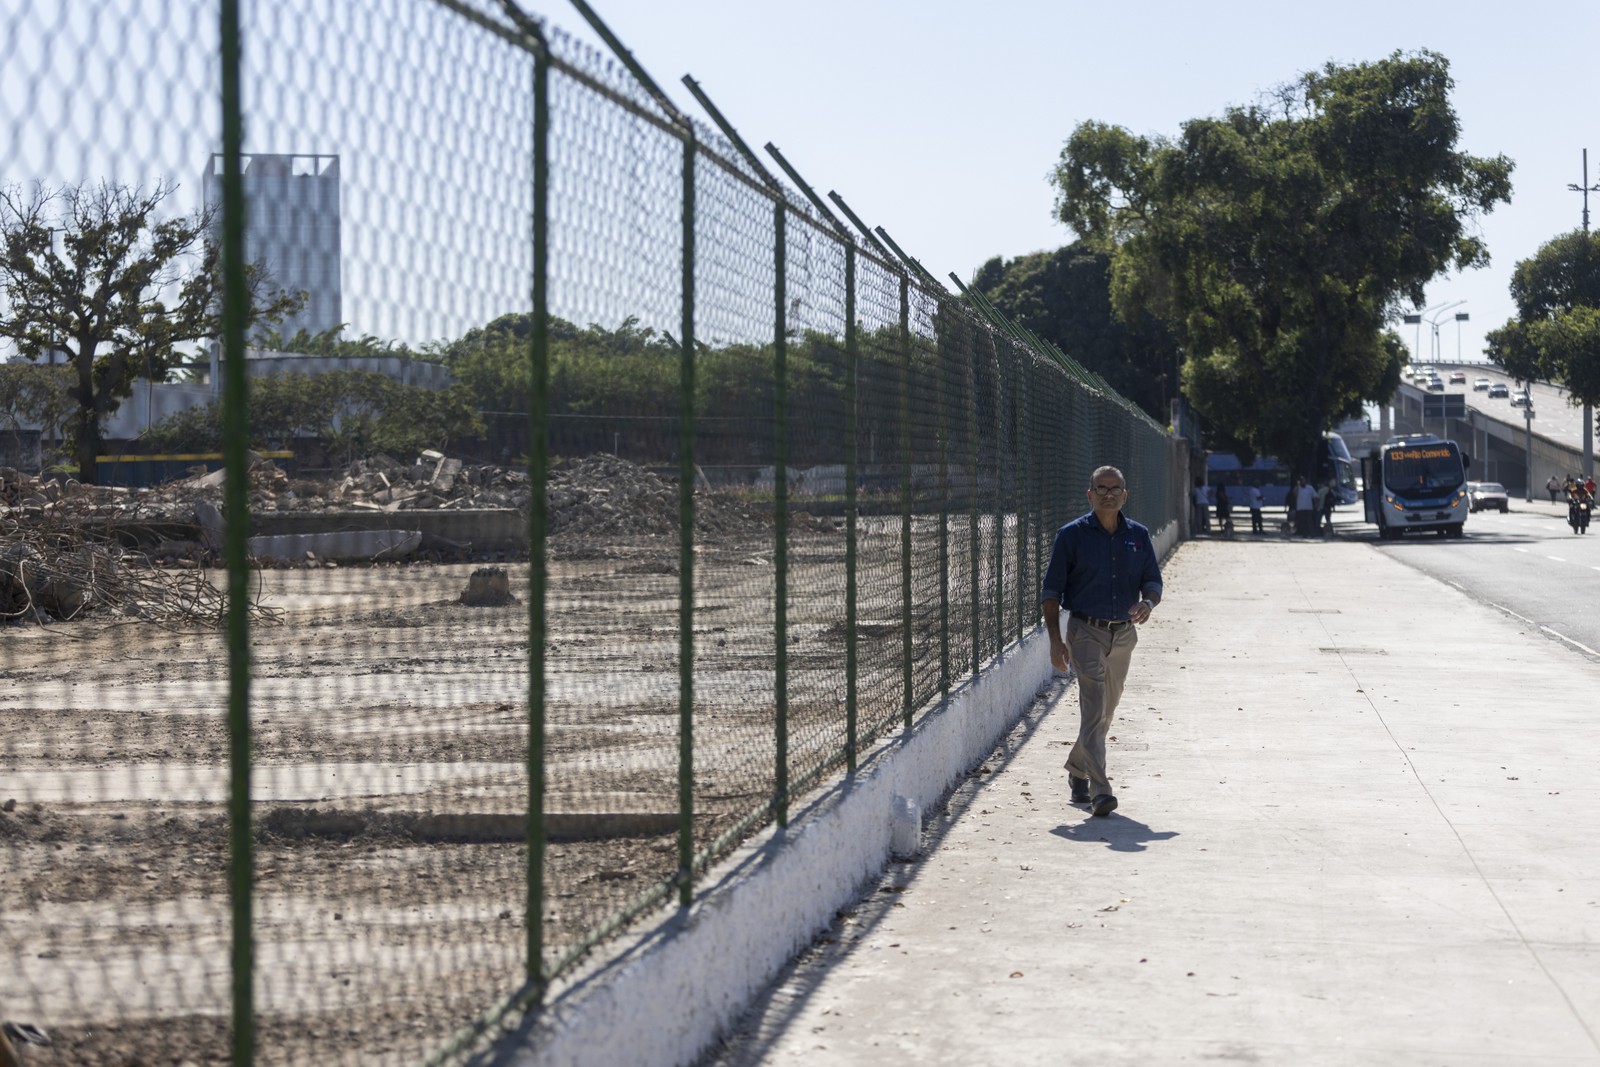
column 116, row 292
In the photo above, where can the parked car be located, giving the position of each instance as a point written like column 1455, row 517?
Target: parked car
column 1480, row 384
column 1483, row 496
column 1458, row 376
column 1499, row 390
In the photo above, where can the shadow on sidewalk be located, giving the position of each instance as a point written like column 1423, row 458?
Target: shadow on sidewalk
column 1117, row 832
column 774, row 1010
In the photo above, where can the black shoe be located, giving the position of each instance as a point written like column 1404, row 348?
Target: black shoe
column 1080, row 789
column 1104, row 804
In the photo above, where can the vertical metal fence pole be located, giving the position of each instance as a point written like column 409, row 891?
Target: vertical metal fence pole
column 974, row 532
column 1041, row 411
column 905, row 496
column 686, row 435
column 1019, row 488
column 780, row 511
column 942, row 401
column 852, row 358
column 999, row 501
column 538, row 519
column 236, row 496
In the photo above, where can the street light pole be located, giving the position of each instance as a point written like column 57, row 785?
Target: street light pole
column 1461, row 316
column 1527, row 422
column 1435, row 315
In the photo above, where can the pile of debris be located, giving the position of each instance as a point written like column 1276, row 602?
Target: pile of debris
column 604, row 496
column 66, row 552
column 593, row 495
column 51, row 570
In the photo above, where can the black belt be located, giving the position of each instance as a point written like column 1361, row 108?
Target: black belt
column 1104, row 624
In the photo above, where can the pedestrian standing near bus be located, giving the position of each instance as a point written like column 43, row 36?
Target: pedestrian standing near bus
column 1304, row 502
column 1252, row 496
column 1224, row 509
column 1103, row 570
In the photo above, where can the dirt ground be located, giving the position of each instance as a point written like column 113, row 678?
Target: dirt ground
column 377, row 695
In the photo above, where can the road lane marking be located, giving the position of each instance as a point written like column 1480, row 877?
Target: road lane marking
column 1558, row 559
column 1570, row 641
column 1516, row 548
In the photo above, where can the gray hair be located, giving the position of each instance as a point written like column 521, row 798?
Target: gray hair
column 1107, row 469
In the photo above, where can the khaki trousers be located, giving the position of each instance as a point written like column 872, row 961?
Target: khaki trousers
column 1100, row 657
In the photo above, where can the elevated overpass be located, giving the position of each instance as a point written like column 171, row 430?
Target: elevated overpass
column 1496, row 435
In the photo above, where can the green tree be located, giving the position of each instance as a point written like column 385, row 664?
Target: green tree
column 1276, row 241
column 332, row 342
column 349, row 414
column 32, row 393
column 124, row 292
column 1556, row 334
column 1065, row 297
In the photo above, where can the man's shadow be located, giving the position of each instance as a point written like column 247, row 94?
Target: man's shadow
column 1117, row 832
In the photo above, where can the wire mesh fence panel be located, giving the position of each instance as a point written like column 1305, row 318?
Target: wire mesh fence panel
column 112, row 770
column 617, row 254
column 605, row 501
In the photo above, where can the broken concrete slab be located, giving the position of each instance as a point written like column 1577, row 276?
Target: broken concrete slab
column 339, row 544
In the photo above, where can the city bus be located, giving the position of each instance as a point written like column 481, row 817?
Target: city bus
column 1273, row 478
column 1417, row 482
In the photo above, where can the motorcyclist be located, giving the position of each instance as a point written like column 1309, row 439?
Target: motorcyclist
column 1579, row 508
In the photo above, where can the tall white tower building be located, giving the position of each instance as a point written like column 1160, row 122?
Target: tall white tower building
column 292, row 227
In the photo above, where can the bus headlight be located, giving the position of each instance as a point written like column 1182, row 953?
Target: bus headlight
column 1393, row 503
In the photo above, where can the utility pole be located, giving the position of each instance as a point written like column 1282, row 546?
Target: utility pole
column 1588, row 409
column 1585, row 189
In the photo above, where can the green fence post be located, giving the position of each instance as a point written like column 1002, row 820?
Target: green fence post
column 1019, row 495
column 780, row 509
column 538, row 519
column 236, row 495
column 852, row 357
column 999, row 506
column 942, row 401
column 905, row 495
column 974, row 528
column 686, row 473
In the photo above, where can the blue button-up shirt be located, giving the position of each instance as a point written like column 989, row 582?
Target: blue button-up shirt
column 1099, row 573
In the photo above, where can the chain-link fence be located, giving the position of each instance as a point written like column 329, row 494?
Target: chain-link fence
column 599, row 485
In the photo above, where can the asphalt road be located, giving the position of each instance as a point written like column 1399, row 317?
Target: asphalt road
column 1527, row 563
column 1554, row 415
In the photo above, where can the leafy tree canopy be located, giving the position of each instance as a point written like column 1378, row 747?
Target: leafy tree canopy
column 349, row 413
column 332, row 342
column 120, row 293
column 34, row 394
column 1065, row 297
column 1277, row 240
column 1556, row 334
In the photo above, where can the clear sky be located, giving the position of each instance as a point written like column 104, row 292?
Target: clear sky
column 940, row 120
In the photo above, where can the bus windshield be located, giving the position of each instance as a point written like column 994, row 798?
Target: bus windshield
column 1423, row 470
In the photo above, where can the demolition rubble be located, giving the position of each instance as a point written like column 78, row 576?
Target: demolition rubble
column 69, row 549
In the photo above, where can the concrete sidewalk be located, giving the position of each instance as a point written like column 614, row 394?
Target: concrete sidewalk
column 1356, row 827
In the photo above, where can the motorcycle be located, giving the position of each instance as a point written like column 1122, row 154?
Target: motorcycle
column 1578, row 515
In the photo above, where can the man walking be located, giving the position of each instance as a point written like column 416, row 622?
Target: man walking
column 1103, row 570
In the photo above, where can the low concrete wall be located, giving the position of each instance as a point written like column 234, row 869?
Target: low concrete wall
column 663, row 999
column 486, row 529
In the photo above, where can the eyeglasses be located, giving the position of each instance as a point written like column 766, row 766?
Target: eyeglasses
column 1109, row 490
